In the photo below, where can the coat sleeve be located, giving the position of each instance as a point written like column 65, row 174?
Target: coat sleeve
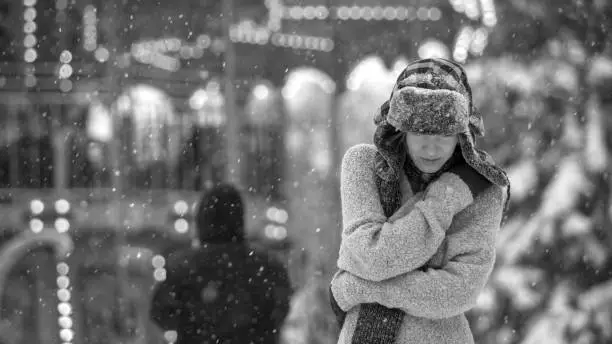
column 437, row 293
column 374, row 249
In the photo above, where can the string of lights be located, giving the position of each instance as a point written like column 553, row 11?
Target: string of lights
column 166, row 53
column 65, row 69
column 64, row 306
column 469, row 39
column 30, row 54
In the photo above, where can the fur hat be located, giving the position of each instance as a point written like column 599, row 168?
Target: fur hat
column 431, row 96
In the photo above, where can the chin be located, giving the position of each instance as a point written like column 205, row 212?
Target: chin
column 429, row 169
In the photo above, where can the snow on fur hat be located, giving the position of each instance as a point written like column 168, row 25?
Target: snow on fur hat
column 431, row 96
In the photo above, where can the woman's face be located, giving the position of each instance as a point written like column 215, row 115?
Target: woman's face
column 430, row 152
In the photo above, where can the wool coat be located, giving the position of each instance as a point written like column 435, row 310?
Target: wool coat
column 410, row 278
column 379, row 261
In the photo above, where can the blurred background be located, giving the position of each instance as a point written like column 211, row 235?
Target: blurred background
column 115, row 115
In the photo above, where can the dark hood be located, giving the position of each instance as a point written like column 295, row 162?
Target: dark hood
column 220, row 217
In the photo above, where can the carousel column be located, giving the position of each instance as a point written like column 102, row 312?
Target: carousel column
column 234, row 121
column 59, row 121
column 59, row 136
column 307, row 95
column 208, row 105
column 13, row 153
column 339, row 71
column 266, row 131
column 113, row 14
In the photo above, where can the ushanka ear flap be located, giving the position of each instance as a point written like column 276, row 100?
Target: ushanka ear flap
column 391, row 155
column 381, row 114
column 389, row 143
column 476, row 123
column 483, row 163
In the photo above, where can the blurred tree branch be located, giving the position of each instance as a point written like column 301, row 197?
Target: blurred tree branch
column 546, row 86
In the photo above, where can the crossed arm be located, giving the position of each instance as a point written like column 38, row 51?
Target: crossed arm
column 375, row 249
column 437, row 293
column 380, row 257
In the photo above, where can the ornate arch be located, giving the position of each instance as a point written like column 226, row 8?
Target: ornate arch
column 302, row 90
column 368, row 85
column 152, row 116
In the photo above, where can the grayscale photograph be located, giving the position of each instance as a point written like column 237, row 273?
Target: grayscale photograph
column 305, row 172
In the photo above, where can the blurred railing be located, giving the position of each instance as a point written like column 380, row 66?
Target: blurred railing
column 13, row 252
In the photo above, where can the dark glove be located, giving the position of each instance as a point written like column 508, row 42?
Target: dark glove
column 474, row 180
column 340, row 314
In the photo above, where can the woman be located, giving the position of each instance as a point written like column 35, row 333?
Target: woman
column 421, row 209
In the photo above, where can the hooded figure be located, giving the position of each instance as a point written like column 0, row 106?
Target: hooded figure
column 418, row 246
column 220, row 216
column 223, row 291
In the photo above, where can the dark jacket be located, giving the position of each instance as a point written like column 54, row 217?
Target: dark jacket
column 223, row 291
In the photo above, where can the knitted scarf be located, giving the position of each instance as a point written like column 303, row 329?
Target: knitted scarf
column 377, row 324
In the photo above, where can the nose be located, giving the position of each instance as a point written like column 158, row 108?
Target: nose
column 431, row 152
column 430, row 149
